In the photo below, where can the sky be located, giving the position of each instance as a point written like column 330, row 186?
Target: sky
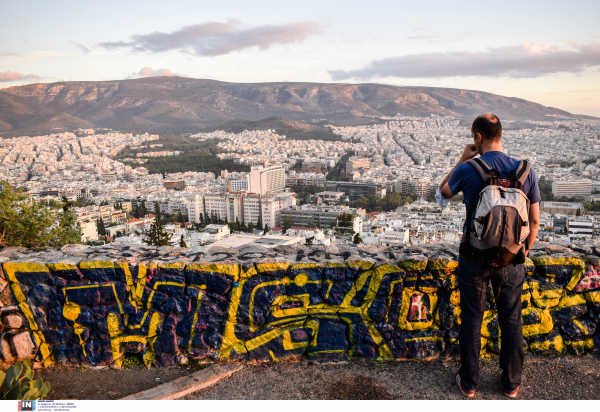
column 547, row 51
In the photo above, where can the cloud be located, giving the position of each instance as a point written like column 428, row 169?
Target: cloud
column 9, row 76
column 150, row 72
column 81, row 47
column 214, row 39
column 522, row 61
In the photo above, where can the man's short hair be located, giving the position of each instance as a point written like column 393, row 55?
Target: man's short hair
column 489, row 126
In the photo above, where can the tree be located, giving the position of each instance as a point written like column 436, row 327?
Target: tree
column 578, row 212
column 357, row 239
column 182, row 242
column 287, row 223
column 250, row 227
column 309, row 240
column 179, row 217
column 26, row 222
column 259, row 224
column 266, row 229
column 100, row 226
column 157, row 235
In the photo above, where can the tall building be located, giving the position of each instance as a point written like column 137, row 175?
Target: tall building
column 580, row 228
column 243, row 207
column 353, row 165
column 266, row 180
column 322, row 216
column 174, row 184
column 237, row 185
column 420, row 187
column 570, row 188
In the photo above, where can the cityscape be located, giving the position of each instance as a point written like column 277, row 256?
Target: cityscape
column 297, row 191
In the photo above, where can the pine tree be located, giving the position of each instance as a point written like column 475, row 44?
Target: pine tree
column 157, row 235
column 357, row 239
column 250, row 227
column 259, row 224
column 182, row 242
column 287, row 223
column 100, row 226
column 266, row 229
column 26, row 222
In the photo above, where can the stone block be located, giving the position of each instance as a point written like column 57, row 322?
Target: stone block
column 166, row 342
column 215, row 278
column 43, row 295
column 11, row 318
column 423, row 344
column 25, row 272
column 67, row 270
column 572, row 305
column 70, row 355
column 17, row 345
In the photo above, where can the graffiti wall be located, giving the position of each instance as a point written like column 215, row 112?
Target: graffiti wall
column 169, row 306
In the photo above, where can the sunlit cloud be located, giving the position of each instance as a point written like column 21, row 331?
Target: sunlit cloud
column 9, row 76
column 150, row 72
column 214, row 39
column 80, row 46
column 522, row 61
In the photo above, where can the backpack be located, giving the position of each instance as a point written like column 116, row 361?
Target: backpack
column 500, row 225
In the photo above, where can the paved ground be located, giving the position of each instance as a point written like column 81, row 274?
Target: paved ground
column 567, row 377
column 544, row 378
column 106, row 383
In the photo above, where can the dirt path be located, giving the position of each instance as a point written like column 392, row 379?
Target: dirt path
column 87, row 383
column 568, row 377
column 559, row 378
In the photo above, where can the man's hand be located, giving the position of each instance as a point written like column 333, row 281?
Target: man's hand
column 469, row 152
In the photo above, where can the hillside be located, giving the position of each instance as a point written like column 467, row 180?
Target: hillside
column 290, row 128
column 176, row 104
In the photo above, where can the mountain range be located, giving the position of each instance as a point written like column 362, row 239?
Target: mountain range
column 178, row 104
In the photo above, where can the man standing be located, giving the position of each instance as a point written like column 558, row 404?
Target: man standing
column 474, row 273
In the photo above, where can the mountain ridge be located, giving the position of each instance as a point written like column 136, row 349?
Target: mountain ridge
column 178, row 104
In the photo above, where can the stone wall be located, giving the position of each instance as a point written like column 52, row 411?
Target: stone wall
column 82, row 305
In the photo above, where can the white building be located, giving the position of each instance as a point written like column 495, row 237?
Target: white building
column 267, row 180
column 243, row 207
column 237, row 185
column 580, row 228
column 571, row 188
column 89, row 230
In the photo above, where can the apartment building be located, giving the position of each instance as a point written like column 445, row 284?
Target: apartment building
column 174, row 184
column 570, row 188
column 356, row 190
column 580, row 228
column 266, row 180
column 352, row 165
column 419, row 187
column 237, row 185
column 244, row 207
column 564, row 208
column 322, row 216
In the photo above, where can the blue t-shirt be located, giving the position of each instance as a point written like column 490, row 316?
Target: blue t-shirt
column 466, row 179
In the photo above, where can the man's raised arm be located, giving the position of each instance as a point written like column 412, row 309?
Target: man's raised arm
column 534, row 226
column 469, row 153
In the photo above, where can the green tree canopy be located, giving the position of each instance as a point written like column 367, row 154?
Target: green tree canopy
column 26, row 222
column 157, row 235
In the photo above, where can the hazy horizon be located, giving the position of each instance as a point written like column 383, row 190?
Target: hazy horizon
column 545, row 52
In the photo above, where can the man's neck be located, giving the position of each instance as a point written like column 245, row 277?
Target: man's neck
column 492, row 147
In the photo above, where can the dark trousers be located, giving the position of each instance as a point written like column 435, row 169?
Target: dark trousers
column 507, row 285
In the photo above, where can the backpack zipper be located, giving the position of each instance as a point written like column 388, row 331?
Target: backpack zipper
column 502, row 231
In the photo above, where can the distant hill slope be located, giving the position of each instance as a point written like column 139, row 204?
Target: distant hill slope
column 183, row 104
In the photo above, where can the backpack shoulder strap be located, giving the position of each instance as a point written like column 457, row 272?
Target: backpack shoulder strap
column 482, row 168
column 522, row 171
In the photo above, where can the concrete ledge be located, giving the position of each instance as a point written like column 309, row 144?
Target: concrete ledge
column 188, row 384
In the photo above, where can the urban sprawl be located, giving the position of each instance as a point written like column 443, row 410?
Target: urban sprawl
column 400, row 154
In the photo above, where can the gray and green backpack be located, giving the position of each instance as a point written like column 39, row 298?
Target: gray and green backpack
column 498, row 227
